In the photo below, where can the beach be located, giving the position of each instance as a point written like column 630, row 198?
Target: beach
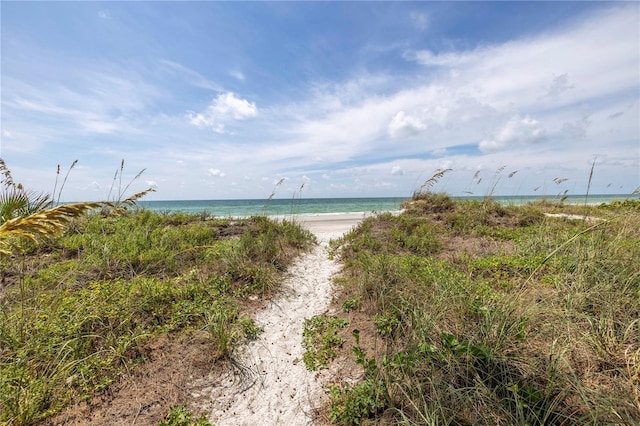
column 330, row 225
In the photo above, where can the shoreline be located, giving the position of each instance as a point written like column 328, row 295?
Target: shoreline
column 241, row 209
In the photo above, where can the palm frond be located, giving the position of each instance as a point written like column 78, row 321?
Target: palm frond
column 16, row 202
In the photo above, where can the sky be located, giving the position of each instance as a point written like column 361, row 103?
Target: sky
column 222, row 100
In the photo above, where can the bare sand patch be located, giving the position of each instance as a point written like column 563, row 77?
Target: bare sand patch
column 574, row 217
column 330, row 225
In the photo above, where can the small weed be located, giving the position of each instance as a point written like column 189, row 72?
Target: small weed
column 351, row 304
column 353, row 404
column 180, row 416
column 320, row 340
column 386, row 323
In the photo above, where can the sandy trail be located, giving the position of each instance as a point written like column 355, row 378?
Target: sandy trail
column 271, row 385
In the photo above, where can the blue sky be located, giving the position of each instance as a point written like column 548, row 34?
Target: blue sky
column 220, row 100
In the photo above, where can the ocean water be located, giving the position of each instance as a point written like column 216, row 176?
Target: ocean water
column 312, row 206
column 280, row 207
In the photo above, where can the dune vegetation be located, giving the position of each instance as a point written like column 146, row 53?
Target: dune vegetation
column 452, row 312
column 78, row 308
column 469, row 312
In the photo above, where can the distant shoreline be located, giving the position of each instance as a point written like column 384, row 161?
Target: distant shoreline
column 339, row 206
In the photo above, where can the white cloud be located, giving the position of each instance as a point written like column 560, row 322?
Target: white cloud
column 419, row 20
column 397, row 171
column 228, row 104
column 518, row 131
column 104, row 14
column 152, row 184
column 403, row 125
column 585, row 60
column 225, row 108
column 216, row 172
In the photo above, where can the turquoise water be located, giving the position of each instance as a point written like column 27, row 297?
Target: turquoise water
column 244, row 208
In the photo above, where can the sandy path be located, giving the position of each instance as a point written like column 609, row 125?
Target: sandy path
column 271, row 385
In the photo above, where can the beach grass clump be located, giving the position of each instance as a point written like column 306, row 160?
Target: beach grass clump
column 78, row 310
column 509, row 317
column 428, row 202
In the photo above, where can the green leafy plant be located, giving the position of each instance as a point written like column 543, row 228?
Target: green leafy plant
column 320, row 340
column 180, row 416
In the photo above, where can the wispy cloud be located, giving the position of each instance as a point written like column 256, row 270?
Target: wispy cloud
column 238, row 75
column 192, row 77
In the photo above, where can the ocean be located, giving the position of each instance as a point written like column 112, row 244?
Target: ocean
column 314, row 206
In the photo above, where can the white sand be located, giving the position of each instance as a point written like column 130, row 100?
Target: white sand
column 329, row 225
column 272, row 385
column 574, row 217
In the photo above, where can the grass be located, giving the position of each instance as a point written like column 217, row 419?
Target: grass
column 77, row 310
column 491, row 315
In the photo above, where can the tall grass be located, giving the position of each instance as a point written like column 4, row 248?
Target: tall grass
column 494, row 315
